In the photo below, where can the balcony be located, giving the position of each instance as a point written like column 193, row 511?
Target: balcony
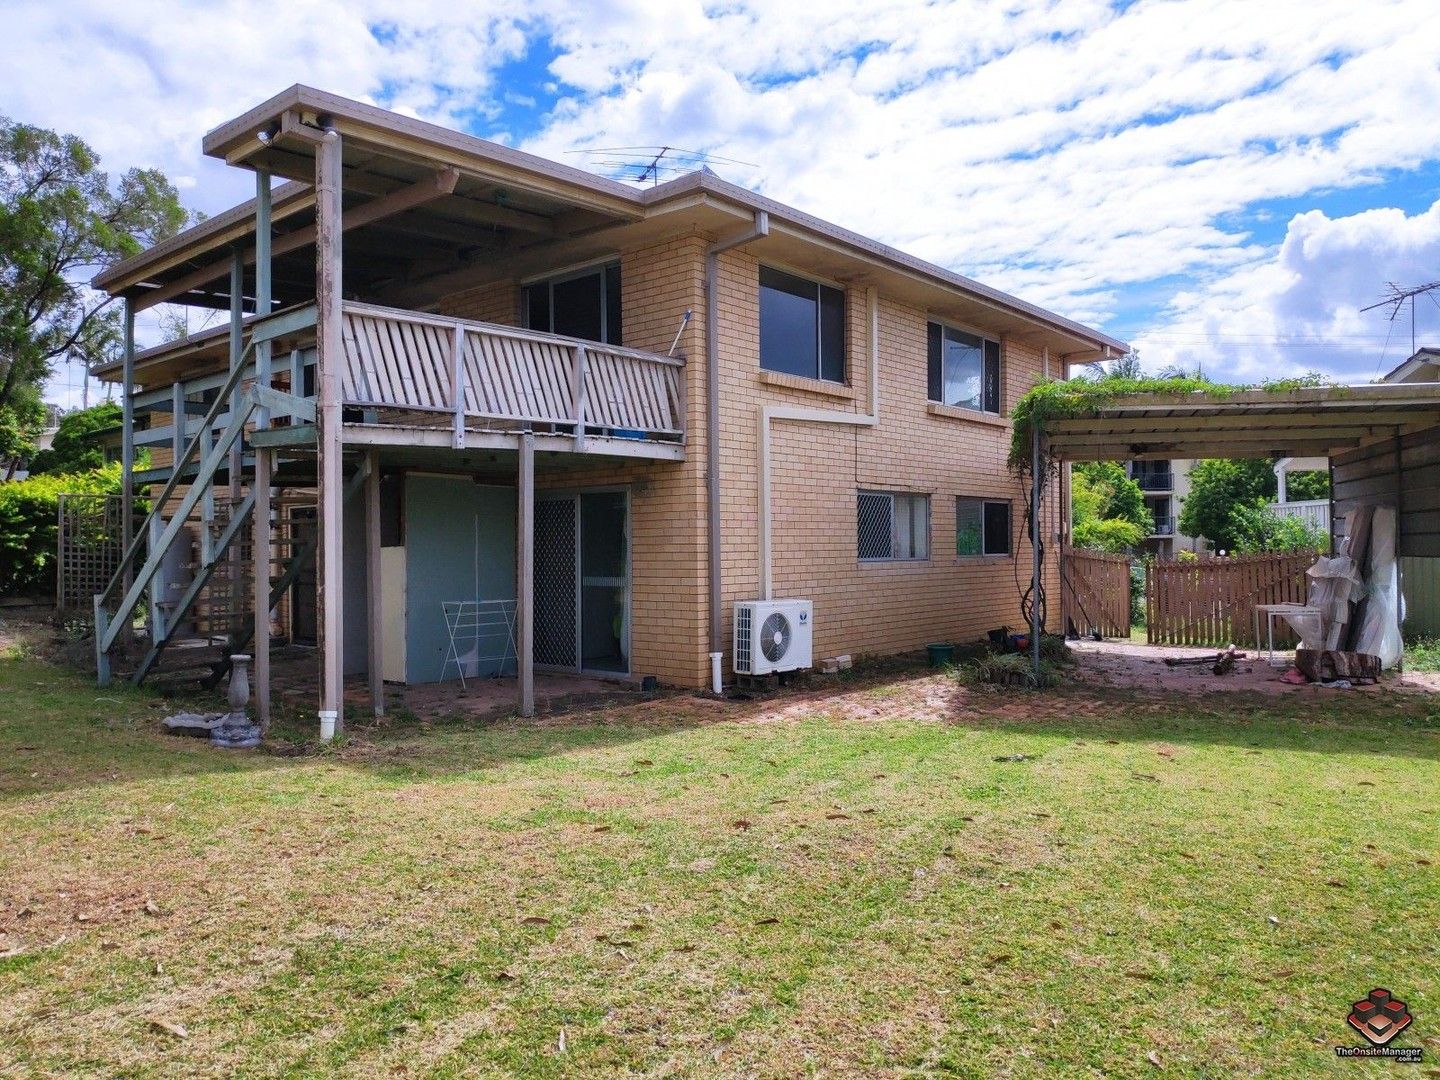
column 414, row 379
column 1164, row 526
column 1154, row 479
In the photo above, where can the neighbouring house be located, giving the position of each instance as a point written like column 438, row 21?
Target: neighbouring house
column 1165, row 484
column 602, row 415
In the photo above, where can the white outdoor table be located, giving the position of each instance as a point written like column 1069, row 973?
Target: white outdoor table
column 1271, row 610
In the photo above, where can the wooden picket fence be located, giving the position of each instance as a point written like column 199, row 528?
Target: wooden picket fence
column 1211, row 601
column 1096, row 590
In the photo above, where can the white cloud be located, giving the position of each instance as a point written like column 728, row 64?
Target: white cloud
column 1299, row 309
column 1070, row 152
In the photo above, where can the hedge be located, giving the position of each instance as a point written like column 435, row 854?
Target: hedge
column 29, row 526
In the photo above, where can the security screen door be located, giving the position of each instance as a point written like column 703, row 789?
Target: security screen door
column 582, row 581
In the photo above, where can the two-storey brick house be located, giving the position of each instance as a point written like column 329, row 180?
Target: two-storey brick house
column 605, row 414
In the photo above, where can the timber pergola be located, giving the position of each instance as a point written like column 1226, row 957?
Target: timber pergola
column 1304, row 422
column 1312, row 421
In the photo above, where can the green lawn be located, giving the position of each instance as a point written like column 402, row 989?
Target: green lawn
column 842, row 884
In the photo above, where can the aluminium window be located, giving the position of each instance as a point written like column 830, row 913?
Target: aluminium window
column 585, row 304
column 802, row 326
column 892, row 526
column 982, row 527
column 964, row 369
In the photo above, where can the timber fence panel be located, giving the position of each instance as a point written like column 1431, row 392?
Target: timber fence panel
column 1207, row 602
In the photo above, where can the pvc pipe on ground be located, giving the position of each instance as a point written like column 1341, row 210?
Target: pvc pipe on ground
column 717, row 683
column 327, row 724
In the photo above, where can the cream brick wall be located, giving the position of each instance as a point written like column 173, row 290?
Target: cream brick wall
column 669, row 628
column 816, row 471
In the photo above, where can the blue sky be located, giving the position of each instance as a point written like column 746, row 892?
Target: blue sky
column 1221, row 183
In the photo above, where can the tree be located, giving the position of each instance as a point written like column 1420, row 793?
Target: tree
column 1308, row 485
column 61, row 220
column 1107, row 507
column 74, row 449
column 1219, row 487
column 20, row 422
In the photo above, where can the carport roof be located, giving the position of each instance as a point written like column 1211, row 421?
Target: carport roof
column 1307, row 421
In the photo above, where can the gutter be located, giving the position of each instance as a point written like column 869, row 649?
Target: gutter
column 798, row 414
column 761, row 228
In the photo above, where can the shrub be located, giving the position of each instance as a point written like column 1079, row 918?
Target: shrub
column 29, row 525
column 1259, row 529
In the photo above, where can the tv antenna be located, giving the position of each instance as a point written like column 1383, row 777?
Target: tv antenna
column 651, row 164
column 1397, row 295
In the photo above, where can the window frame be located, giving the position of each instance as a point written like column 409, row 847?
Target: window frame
column 934, row 378
column 910, row 497
column 600, row 268
column 983, row 502
column 821, row 287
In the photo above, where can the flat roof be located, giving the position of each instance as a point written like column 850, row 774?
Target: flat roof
column 1304, row 422
column 509, row 186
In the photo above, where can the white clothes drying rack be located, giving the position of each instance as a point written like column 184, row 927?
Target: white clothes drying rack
column 475, row 627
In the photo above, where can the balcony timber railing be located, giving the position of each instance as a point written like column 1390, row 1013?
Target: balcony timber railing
column 399, row 368
column 480, row 372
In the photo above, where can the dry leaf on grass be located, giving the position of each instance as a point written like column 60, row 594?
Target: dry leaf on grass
column 741, row 824
column 1154, row 1058
column 166, row 1027
column 837, row 817
column 770, row 921
column 534, row 920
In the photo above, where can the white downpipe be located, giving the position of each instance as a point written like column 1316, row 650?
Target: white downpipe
column 803, row 415
column 327, row 724
column 717, row 680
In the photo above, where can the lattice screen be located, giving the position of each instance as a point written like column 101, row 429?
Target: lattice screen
column 89, row 549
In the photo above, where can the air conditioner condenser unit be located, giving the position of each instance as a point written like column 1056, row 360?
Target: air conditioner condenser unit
column 772, row 636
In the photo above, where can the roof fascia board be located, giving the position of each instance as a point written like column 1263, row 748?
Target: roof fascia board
column 224, row 228
column 430, row 144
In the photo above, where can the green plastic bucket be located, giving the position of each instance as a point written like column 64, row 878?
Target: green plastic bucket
column 941, row 653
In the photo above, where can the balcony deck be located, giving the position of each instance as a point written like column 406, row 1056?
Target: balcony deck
column 420, row 380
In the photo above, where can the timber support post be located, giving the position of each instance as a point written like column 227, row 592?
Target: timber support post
column 127, row 469
column 264, row 464
column 329, row 497
column 525, row 573
column 374, row 584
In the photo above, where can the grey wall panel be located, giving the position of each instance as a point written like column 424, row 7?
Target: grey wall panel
column 459, row 545
column 357, row 625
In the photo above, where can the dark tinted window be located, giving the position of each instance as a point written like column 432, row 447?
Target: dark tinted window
column 577, row 306
column 788, row 323
column 802, row 326
column 612, row 304
column 997, row 528
column 584, row 305
column 963, row 369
